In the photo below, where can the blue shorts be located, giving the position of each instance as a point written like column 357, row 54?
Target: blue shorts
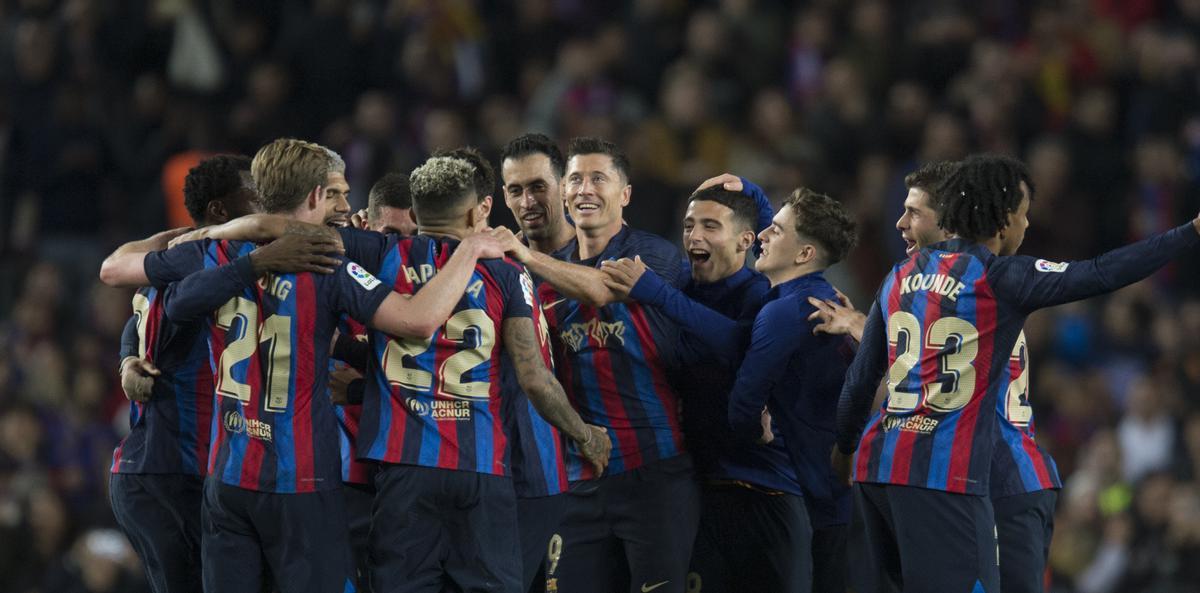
column 296, row 542
column 917, row 540
column 751, row 540
column 630, row 532
column 538, row 520
column 160, row 514
column 1024, row 524
column 440, row 529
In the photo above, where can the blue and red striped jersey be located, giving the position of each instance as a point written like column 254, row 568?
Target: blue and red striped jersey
column 354, row 471
column 276, row 430
column 613, row 361
column 170, row 433
column 437, row 403
column 1020, row 465
column 537, row 448
column 943, row 329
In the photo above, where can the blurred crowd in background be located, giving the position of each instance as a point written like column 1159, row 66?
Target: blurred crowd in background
column 104, row 106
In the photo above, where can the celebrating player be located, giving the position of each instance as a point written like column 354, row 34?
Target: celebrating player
column 158, row 469
column 944, row 328
column 633, row 529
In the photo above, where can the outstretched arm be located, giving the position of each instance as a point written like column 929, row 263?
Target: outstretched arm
column 547, row 395
column 721, row 336
column 1036, row 283
column 259, row 228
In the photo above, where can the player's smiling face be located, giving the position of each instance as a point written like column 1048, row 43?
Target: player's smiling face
column 533, row 194
column 714, row 246
column 780, row 244
column 337, row 200
column 595, row 192
column 918, row 225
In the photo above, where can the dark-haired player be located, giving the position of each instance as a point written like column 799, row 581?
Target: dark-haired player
column 483, row 177
column 633, row 529
column 793, row 374
column 158, row 469
column 273, row 499
column 531, row 167
column 944, row 328
column 389, row 206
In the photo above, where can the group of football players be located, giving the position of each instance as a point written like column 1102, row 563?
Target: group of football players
column 407, row 399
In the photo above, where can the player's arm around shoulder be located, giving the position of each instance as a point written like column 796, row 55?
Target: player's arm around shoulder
column 125, row 267
column 575, row 281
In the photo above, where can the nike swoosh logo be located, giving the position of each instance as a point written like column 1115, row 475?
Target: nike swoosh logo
column 552, row 303
column 648, row 589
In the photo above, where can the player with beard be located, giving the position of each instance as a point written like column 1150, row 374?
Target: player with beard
column 634, row 528
column 531, row 168
column 389, row 207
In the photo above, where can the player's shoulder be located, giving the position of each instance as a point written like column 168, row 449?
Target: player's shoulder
column 645, row 243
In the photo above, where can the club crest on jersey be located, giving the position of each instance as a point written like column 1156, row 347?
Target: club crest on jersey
column 577, row 334
column 1042, row 265
column 361, row 276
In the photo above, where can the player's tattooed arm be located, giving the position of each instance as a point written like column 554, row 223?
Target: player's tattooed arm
column 419, row 315
column 260, row 228
column 582, row 283
column 124, row 267
column 547, row 395
column 837, row 317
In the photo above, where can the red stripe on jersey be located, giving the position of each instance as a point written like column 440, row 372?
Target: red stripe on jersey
column 449, row 453
column 302, row 382
column 614, row 406
column 1038, row 461
column 964, row 432
column 495, row 309
column 662, row 388
column 395, row 398
column 252, row 462
column 862, row 457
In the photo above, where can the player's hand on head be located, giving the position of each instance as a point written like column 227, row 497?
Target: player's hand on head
column 137, row 378
column 295, row 253
column 358, row 220
column 728, row 181
column 339, row 384
column 597, row 448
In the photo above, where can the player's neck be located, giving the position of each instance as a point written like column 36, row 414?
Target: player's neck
column 593, row 241
column 562, row 235
column 449, row 231
column 791, row 273
column 994, row 244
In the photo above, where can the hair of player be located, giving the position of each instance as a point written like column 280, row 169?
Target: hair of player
column 929, row 176
column 825, row 221
column 212, row 179
column 535, row 143
column 440, row 187
column 336, row 163
column 974, row 201
column 392, row 191
column 745, row 211
column 592, row 145
column 285, row 170
column 485, row 176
